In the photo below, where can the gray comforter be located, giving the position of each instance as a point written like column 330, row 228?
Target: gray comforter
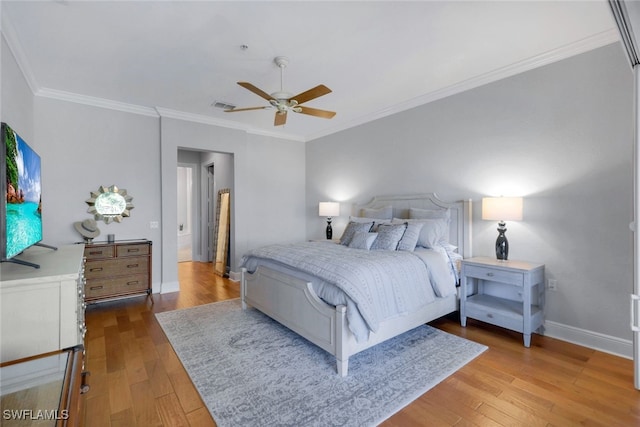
column 377, row 284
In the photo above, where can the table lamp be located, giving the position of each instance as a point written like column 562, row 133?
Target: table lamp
column 501, row 209
column 329, row 209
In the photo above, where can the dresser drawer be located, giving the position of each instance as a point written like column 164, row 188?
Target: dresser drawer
column 97, row 252
column 116, row 286
column 487, row 273
column 116, row 267
column 132, row 250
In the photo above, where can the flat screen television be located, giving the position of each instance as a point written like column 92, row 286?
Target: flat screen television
column 21, row 211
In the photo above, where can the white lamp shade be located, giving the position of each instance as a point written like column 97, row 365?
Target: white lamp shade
column 502, row 208
column 329, row 209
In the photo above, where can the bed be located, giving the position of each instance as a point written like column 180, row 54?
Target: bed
column 313, row 288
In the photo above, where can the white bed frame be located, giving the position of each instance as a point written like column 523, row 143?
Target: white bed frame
column 293, row 302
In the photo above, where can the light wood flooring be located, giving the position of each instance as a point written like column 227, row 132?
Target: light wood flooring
column 137, row 380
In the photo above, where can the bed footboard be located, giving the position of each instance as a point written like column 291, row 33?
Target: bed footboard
column 293, row 303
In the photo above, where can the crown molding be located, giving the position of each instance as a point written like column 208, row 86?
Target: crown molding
column 95, row 101
column 590, row 43
column 593, row 42
column 10, row 36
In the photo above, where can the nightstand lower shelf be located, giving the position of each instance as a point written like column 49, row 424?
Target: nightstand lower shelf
column 501, row 312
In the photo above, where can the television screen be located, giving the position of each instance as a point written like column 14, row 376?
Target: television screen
column 21, row 213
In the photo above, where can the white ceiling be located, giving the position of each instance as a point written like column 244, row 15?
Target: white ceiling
column 176, row 58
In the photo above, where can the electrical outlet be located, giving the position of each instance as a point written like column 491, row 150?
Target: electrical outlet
column 154, row 224
column 552, row 284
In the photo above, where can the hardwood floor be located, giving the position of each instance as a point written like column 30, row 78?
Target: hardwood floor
column 137, row 380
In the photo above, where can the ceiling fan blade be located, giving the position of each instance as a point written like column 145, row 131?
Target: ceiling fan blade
column 255, row 90
column 281, row 118
column 315, row 112
column 235, row 110
column 314, row 93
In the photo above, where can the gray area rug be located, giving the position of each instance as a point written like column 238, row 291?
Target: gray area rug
column 251, row 371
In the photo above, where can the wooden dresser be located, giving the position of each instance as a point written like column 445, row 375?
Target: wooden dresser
column 118, row 269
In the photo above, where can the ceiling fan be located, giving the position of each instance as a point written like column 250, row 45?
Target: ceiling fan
column 284, row 101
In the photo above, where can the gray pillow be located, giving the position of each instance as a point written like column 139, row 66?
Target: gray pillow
column 362, row 240
column 410, row 238
column 352, row 229
column 389, row 235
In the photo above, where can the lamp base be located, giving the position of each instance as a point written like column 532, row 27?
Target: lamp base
column 502, row 244
column 329, row 230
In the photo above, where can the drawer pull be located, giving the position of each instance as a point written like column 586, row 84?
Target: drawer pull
column 490, row 274
column 95, row 252
column 133, row 265
column 96, row 269
column 94, row 288
column 135, row 282
column 133, row 250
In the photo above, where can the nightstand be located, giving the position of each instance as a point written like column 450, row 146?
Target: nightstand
column 509, row 294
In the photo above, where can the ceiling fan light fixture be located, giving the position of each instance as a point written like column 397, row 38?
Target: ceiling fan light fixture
column 284, row 101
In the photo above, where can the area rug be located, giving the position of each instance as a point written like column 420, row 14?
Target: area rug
column 251, row 371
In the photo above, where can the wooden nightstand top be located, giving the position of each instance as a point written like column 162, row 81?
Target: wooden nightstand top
column 507, row 265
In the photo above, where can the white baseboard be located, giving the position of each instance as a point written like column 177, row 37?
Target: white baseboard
column 234, row 276
column 590, row 339
column 167, row 287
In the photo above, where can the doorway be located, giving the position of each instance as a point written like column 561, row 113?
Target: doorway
column 186, row 211
column 200, row 175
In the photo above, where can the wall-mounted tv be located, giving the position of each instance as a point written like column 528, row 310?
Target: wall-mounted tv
column 21, row 210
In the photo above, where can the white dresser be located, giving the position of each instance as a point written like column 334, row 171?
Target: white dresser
column 42, row 310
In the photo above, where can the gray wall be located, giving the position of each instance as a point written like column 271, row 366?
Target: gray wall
column 561, row 136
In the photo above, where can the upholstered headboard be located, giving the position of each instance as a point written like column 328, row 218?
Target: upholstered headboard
column 460, row 225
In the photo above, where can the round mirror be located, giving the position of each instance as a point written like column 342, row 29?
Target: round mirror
column 110, row 204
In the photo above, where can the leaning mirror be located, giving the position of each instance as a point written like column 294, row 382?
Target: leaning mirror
column 221, row 232
column 110, row 204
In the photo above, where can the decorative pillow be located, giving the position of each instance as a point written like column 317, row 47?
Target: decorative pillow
column 415, row 213
column 376, row 221
column 362, row 240
column 434, row 232
column 379, row 213
column 411, row 236
column 389, row 235
column 353, row 228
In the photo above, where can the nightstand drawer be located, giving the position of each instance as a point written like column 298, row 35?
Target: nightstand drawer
column 493, row 274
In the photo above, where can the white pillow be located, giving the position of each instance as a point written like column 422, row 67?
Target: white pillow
column 363, row 240
column 379, row 213
column 434, row 232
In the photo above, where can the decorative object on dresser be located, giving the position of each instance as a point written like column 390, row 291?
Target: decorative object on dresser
column 41, row 309
column 502, row 209
column 118, row 269
column 88, row 229
column 110, row 204
column 329, row 209
column 509, row 294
